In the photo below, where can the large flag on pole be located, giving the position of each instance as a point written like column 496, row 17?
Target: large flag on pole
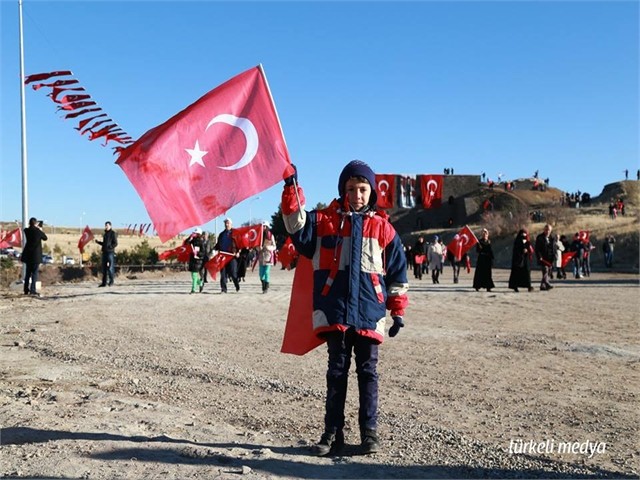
column 87, row 236
column 217, row 152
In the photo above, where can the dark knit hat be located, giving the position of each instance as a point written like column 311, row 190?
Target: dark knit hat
column 357, row 168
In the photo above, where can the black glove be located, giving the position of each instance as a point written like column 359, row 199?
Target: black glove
column 290, row 179
column 397, row 325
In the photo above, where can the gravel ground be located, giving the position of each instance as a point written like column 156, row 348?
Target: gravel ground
column 143, row 380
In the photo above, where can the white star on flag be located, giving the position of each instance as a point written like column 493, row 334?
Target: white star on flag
column 196, row 154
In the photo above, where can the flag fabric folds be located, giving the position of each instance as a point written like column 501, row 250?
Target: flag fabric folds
column 217, row 152
column 431, row 189
column 86, row 237
column 247, row 237
column 386, row 190
column 217, row 263
column 462, row 242
column 299, row 337
column 11, row 239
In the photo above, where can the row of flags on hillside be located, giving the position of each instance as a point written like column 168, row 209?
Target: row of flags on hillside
column 134, row 229
column 403, row 190
column 76, row 104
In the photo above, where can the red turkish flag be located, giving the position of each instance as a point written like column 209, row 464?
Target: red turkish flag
column 386, row 190
column 299, row 337
column 584, row 235
column 567, row 257
column 218, row 262
column 181, row 253
column 219, row 151
column 431, row 188
column 287, row 253
column 45, row 76
column 12, row 239
column 462, row 242
column 87, row 236
column 247, row 237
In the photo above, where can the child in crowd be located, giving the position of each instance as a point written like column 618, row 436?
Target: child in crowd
column 359, row 272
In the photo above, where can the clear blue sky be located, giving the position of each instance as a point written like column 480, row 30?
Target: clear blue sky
column 409, row 87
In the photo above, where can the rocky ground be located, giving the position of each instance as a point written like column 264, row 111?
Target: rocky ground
column 143, row 380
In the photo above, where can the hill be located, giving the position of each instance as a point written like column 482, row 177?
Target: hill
column 525, row 207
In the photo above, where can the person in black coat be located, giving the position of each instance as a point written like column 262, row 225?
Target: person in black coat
column 196, row 257
column 32, row 255
column 545, row 256
column 109, row 243
column 520, row 266
column 482, row 278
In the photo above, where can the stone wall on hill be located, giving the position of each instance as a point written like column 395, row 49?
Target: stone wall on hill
column 458, row 205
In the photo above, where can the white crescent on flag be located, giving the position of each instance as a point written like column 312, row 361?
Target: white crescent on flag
column 432, row 191
column 250, row 133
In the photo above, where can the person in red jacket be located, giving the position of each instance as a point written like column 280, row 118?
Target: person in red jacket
column 360, row 272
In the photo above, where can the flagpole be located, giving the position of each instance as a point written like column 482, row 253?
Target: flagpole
column 23, row 115
column 273, row 104
column 266, row 82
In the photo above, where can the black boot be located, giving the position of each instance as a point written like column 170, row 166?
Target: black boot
column 266, row 287
column 370, row 442
column 330, row 443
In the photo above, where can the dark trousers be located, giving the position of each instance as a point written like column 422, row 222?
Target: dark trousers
column 30, row 273
column 230, row 270
column 417, row 271
column 340, row 345
column 108, row 267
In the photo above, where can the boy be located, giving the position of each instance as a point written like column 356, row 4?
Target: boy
column 359, row 272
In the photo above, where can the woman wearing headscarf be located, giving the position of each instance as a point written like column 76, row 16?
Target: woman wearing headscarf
column 520, row 266
column 482, row 277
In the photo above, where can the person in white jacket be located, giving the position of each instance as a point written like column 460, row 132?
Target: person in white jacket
column 434, row 255
column 266, row 257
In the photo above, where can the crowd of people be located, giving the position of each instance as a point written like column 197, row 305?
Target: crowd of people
column 552, row 254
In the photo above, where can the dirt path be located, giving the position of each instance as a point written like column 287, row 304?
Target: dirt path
column 144, row 380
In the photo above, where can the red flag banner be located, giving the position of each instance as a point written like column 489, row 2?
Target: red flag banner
column 85, row 122
column 57, row 83
column 36, row 77
column 299, row 337
column 55, row 91
column 86, row 237
column 75, row 105
column 431, row 188
column 584, row 235
column 185, row 169
column 287, row 253
column 72, row 98
column 419, row 259
column 12, row 239
column 181, row 253
column 82, row 112
column 462, row 242
column 567, row 257
column 386, row 190
column 217, row 263
column 247, row 237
